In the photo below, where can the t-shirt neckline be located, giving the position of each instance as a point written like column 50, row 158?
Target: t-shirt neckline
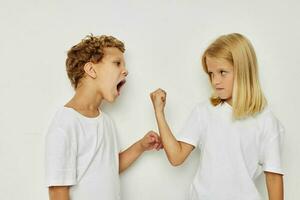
column 227, row 105
column 83, row 116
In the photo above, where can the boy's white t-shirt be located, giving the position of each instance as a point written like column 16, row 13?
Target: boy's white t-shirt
column 232, row 152
column 83, row 153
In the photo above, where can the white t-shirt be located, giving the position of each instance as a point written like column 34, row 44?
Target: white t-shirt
column 83, row 153
column 233, row 152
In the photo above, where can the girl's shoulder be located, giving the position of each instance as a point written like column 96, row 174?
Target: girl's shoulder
column 206, row 107
column 268, row 120
column 202, row 110
column 265, row 115
column 203, row 106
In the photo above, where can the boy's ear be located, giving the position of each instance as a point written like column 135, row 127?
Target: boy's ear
column 89, row 69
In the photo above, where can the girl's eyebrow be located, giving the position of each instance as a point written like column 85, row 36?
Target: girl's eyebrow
column 223, row 68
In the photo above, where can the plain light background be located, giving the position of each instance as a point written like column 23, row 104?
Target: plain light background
column 164, row 42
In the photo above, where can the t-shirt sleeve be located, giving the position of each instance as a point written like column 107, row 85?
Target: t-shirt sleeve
column 115, row 134
column 272, row 146
column 60, row 158
column 193, row 128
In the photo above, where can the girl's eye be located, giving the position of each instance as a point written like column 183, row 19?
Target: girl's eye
column 117, row 63
column 223, row 73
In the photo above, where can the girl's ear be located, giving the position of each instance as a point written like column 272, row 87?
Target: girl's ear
column 89, row 69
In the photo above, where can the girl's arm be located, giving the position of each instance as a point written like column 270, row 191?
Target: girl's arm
column 274, row 185
column 59, row 193
column 176, row 151
column 150, row 141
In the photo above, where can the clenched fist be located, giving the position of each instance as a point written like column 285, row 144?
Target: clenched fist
column 158, row 98
column 151, row 141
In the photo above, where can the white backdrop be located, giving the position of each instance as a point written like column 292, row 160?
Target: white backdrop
column 164, row 42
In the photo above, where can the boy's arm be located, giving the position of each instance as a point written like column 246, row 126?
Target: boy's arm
column 150, row 141
column 127, row 157
column 176, row 151
column 274, row 185
column 59, row 193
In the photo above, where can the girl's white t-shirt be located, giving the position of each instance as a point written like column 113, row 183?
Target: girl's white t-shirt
column 233, row 153
column 83, row 153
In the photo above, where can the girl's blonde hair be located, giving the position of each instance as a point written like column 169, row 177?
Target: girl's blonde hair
column 247, row 96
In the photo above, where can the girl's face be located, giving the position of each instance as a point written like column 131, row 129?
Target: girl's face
column 111, row 73
column 221, row 74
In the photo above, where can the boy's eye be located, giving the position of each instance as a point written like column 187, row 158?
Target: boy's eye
column 117, row 63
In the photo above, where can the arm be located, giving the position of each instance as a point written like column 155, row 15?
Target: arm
column 150, row 141
column 274, row 185
column 176, row 151
column 59, row 193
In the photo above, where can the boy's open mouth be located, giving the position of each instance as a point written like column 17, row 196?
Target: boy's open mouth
column 120, row 85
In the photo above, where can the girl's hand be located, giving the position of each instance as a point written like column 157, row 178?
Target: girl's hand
column 158, row 98
column 151, row 141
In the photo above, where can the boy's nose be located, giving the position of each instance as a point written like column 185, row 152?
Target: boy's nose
column 125, row 72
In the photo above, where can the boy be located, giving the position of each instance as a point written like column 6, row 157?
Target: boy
column 82, row 156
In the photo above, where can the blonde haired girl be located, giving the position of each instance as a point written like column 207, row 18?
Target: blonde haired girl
column 237, row 134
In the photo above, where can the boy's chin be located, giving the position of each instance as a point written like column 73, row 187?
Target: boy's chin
column 111, row 99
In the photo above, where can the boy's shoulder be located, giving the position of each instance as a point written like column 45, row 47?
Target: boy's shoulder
column 64, row 116
column 67, row 121
column 64, row 119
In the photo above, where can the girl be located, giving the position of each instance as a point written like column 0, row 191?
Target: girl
column 237, row 134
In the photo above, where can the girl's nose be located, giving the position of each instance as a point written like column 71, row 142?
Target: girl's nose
column 216, row 80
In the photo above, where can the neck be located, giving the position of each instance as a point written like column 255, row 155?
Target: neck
column 85, row 99
column 229, row 101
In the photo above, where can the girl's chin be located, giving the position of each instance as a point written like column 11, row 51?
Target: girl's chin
column 228, row 100
column 224, row 98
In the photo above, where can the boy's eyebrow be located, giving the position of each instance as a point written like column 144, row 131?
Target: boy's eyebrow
column 119, row 59
column 116, row 57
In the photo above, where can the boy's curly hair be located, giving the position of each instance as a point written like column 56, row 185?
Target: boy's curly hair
column 90, row 49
